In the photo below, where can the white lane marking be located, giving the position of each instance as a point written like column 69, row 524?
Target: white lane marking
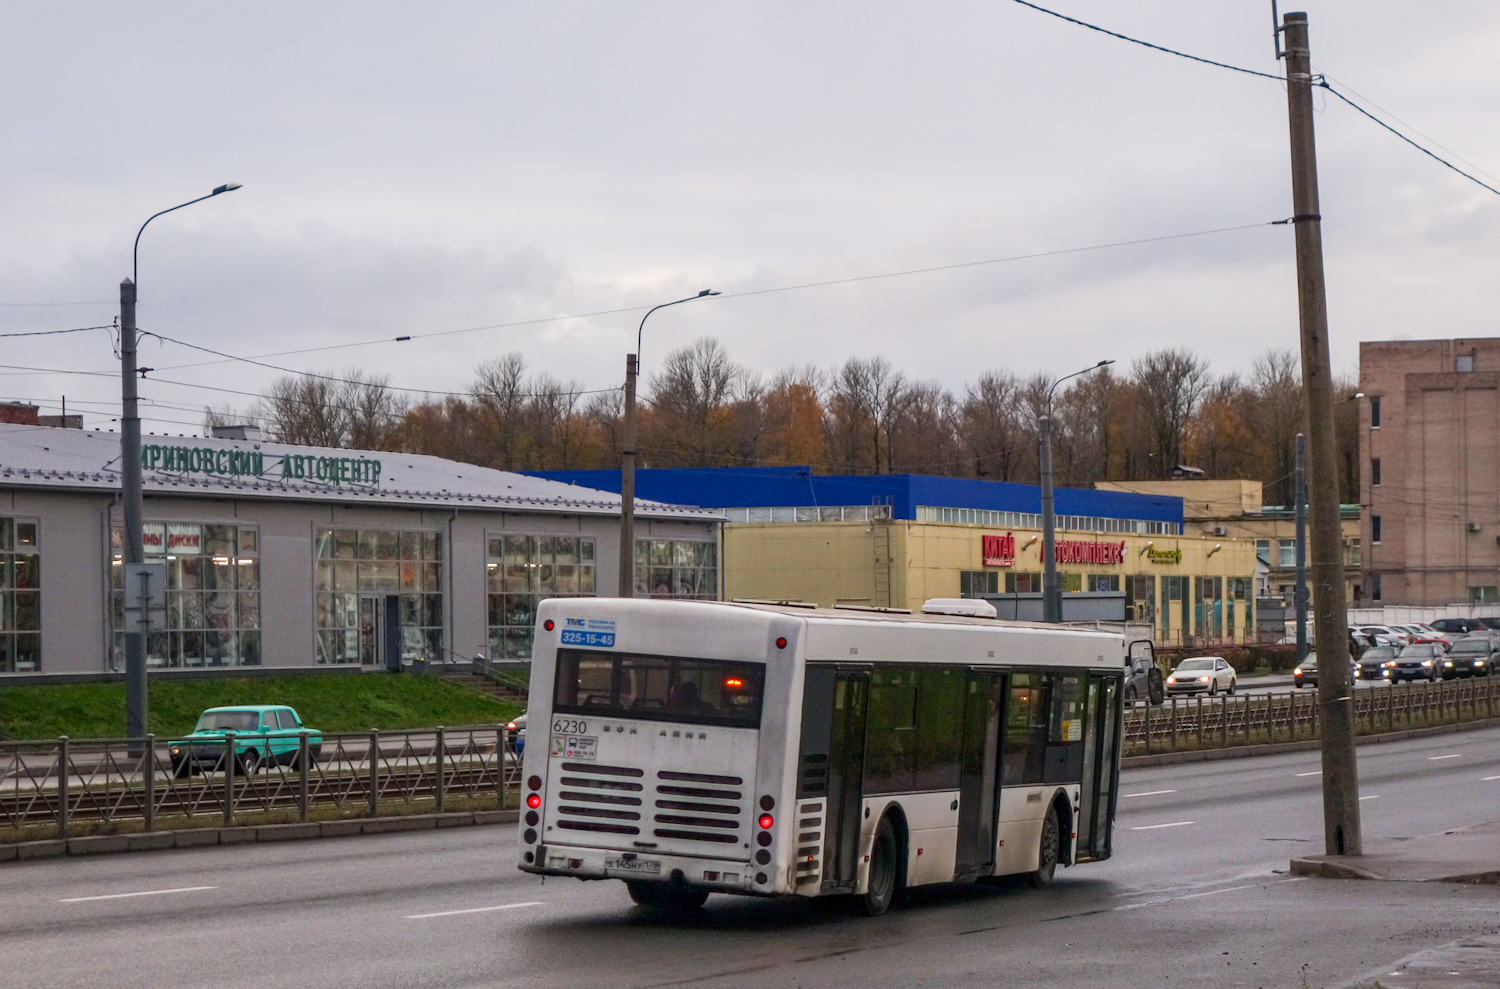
column 1435, row 758
column 1212, row 892
column 1318, row 773
column 1148, row 793
column 455, row 913
column 144, row 892
column 1153, row 827
column 1488, row 778
column 1373, row 796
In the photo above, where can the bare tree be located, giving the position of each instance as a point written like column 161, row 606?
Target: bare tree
column 351, row 410
column 993, row 436
column 1171, row 383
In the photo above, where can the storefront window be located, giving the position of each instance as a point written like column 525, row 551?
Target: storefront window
column 676, row 568
column 360, row 573
column 1023, row 583
column 522, row 570
column 20, row 597
column 977, row 583
column 213, row 594
column 1070, row 583
column 1208, row 608
column 1102, row 582
column 1140, row 598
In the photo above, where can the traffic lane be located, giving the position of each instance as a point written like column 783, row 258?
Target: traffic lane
column 1080, row 932
column 1254, row 689
column 1232, row 818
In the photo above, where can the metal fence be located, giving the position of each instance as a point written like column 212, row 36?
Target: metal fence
column 71, row 787
column 1185, row 723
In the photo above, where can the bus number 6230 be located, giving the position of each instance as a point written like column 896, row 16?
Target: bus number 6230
column 570, row 726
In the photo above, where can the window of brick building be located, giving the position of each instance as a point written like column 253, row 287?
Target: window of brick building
column 1374, row 528
column 1374, row 413
column 1374, row 470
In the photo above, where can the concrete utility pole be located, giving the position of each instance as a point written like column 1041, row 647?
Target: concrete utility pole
column 130, row 485
column 1051, row 593
column 130, row 473
column 1341, row 828
column 627, row 453
column 1299, row 480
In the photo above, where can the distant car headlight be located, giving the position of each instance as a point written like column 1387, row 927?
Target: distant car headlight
column 1171, row 679
column 1385, row 673
column 176, row 750
column 1426, row 662
column 1297, row 672
column 1203, row 679
column 1446, row 662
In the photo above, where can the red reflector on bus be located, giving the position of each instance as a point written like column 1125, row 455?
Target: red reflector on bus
column 534, row 801
column 547, row 624
column 734, row 683
column 781, row 643
column 766, row 820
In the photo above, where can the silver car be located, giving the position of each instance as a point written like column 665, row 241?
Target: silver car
column 1202, row 674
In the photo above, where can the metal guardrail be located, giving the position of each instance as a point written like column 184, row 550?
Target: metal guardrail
column 1186, row 723
column 72, row 787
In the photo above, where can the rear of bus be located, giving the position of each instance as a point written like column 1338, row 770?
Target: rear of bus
column 651, row 726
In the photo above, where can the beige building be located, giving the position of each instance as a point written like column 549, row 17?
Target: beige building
column 1234, row 509
column 1195, row 587
column 1430, row 470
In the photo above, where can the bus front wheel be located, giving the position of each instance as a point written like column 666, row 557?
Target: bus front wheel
column 666, row 898
column 881, row 889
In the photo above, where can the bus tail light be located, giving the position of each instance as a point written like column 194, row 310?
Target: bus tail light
column 766, row 820
column 534, row 801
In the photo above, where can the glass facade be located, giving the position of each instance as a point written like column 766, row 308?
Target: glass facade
column 20, row 597
column 358, row 572
column 677, row 568
column 522, row 570
column 213, row 594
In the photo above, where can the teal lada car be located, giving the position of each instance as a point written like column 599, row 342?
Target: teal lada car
column 262, row 734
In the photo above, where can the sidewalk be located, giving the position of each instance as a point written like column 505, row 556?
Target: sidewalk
column 1468, row 855
column 1469, row 963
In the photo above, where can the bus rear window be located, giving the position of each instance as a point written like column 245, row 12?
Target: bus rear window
column 658, row 688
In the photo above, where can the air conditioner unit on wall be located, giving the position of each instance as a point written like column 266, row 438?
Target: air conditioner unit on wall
column 1219, row 530
column 1473, row 526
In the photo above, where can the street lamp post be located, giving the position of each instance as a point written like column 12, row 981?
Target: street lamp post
column 1051, row 593
column 627, row 453
column 130, row 474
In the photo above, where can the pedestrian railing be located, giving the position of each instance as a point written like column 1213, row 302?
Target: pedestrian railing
column 73, row 787
column 1186, row 723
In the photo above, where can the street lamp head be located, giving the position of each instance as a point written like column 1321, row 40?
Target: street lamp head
column 1104, row 363
column 226, row 187
column 708, row 291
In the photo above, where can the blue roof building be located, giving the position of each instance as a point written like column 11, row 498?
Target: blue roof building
column 796, row 494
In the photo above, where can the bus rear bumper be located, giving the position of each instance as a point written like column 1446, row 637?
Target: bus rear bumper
column 719, row 875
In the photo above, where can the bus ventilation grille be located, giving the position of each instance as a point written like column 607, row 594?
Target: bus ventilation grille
column 809, row 842
column 705, row 812
column 599, row 805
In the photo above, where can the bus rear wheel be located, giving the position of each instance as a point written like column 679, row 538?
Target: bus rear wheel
column 883, row 870
column 1047, row 853
column 665, row 898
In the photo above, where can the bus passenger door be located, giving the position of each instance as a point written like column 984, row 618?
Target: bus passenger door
column 846, row 763
column 1101, row 767
column 979, row 779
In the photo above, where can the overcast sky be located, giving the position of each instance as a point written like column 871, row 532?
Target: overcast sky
column 417, row 168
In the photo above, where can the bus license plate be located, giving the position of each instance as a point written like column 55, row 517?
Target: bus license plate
column 650, row 867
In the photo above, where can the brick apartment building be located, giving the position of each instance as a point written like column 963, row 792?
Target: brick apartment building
column 1430, row 471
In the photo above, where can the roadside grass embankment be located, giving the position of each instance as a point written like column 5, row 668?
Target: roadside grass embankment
column 384, row 701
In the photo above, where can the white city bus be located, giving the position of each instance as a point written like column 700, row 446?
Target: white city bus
column 694, row 747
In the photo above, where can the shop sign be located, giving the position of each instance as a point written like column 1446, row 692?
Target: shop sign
column 172, row 538
column 1164, row 556
column 253, row 463
column 1087, row 551
column 998, row 551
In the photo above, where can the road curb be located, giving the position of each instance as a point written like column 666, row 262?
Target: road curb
column 1313, row 866
column 201, row 837
column 1309, row 745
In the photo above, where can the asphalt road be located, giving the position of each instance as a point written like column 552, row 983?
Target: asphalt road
column 1196, row 895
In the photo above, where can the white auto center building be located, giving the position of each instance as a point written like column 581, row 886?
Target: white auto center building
column 287, row 556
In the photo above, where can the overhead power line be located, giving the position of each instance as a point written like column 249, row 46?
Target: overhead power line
column 50, row 333
column 1323, row 82
column 1147, row 44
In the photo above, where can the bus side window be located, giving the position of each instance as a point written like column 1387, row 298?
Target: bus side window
column 1023, row 757
column 940, row 718
column 1065, row 730
column 890, row 739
